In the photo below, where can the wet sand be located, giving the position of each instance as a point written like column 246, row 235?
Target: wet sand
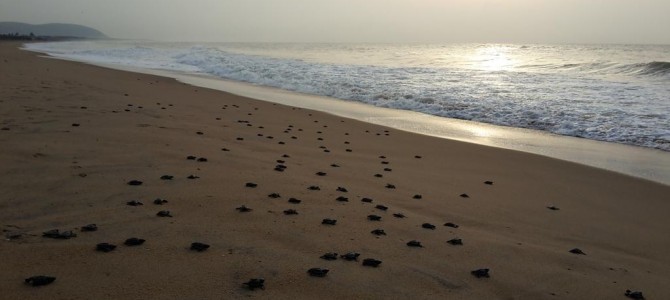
column 73, row 136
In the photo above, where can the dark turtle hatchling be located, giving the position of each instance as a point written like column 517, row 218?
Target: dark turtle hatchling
column 105, row 247
column 255, row 283
column 243, row 208
column 428, row 226
column 329, row 256
column 455, row 242
column 164, row 214
column 134, row 242
column 39, row 280
column 481, row 273
column 378, row 232
column 350, row 256
column 318, row 272
column 374, row 218
column 197, row 246
column 328, row 221
column 414, row 243
column 371, row 262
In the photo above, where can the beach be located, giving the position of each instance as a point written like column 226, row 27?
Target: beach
column 74, row 136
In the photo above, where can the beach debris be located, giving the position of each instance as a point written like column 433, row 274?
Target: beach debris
column 39, row 280
column 89, row 227
column 455, row 242
column 399, row 215
column 329, row 256
column 320, row 174
column 374, row 218
column 164, row 213
column 381, row 207
column 290, row 212
column 133, row 241
column 274, row 196
column 371, row 262
column 637, row 295
column 378, row 232
column 167, row 177
column 134, row 203
column 193, row 177
column 350, row 256
column 488, row 182
column 314, row 188
column 390, row 186
column 250, row 185
column 553, row 207
column 135, row 182
column 414, row 243
column 452, row 225
column 328, row 221
column 342, row 189
column 105, row 247
column 294, row 201
column 159, row 201
column 56, row 234
column 342, row 199
column 244, row 208
column 318, row 272
column 197, row 246
column 417, row 196
column 577, row 251
column 428, row 226
column 366, row 200
column 255, row 283
column 481, row 273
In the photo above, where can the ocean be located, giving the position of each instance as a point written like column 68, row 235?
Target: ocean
column 612, row 93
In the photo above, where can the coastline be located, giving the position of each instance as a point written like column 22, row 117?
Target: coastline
column 641, row 162
column 132, row 126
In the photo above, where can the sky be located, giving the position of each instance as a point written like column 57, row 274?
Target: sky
column 374, row 21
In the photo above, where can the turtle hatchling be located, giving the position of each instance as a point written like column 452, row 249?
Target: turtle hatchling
column 39, row 280
column 197, row 246
column 414, row 243
column 455, row 242
column 255, row 283
column 371, row 262
column 105, row 247
column 243, row 208
column 318, row 272
column 329, row 256
column 134, row 242
column 328, row 221
column 479, row 273
column 350, row 256
column 164, row 213
column 374, row 218
column 378, row 232
column 428, row 226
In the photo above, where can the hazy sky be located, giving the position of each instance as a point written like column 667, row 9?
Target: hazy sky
column 526, row 21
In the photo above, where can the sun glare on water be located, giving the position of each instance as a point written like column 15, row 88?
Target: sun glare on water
column 492, row 58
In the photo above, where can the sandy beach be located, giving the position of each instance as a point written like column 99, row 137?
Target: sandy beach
column 74, row 136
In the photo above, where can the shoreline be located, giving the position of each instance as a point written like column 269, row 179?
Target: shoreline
column 636, row 161
column 75, row 135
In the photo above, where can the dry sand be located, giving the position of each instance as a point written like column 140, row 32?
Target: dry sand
column 140, row 127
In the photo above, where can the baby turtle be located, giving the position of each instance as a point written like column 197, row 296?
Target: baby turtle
column 317, row 272
column 105, row 247
column 89, row 227
column 414, row 243
column 479, row 273
column 320, row 174
column 164, row 213
column 335, row 165
column 378, row 232
column 134, row 182
column 374, row 218
column 274, row 196
column 417, row 156
column 193, row 177
column 385, row 162
column 428, row 226
column 39, row 280
column 577, row 251
column 314, row 188
column 290, row 212
column 417, row 196
column 366, row 200
column 134, row 242
column 464, row 195
column 399, row 215
column 390, row 186
column 286, row 156
column 371, row 262
column 255, row 283
column 328, row 221
column 197, row 246
column 379, row 175
column 388, row 169
column 553, row 208
column 381, row 207
column 134, row 203
column 349, row 150
column 455, row 242
column 329, row 256
column 167, row 177
column 488, row 182
column 452, row 225
column 350, row 256
column 341, row 189
column 634, row 295
column 251, row 185
column 56, row 234
column 342, row 199
column 202, row 159
column 244, row 208
column 382, row 156
column 294, row 201
column 280, row 161
column 159, row 201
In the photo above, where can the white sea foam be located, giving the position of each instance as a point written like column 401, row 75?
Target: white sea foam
column 610, row 93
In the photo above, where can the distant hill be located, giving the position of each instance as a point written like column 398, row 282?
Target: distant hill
column 51, row 30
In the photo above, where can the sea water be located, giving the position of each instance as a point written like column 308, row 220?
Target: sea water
column 613, row 93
